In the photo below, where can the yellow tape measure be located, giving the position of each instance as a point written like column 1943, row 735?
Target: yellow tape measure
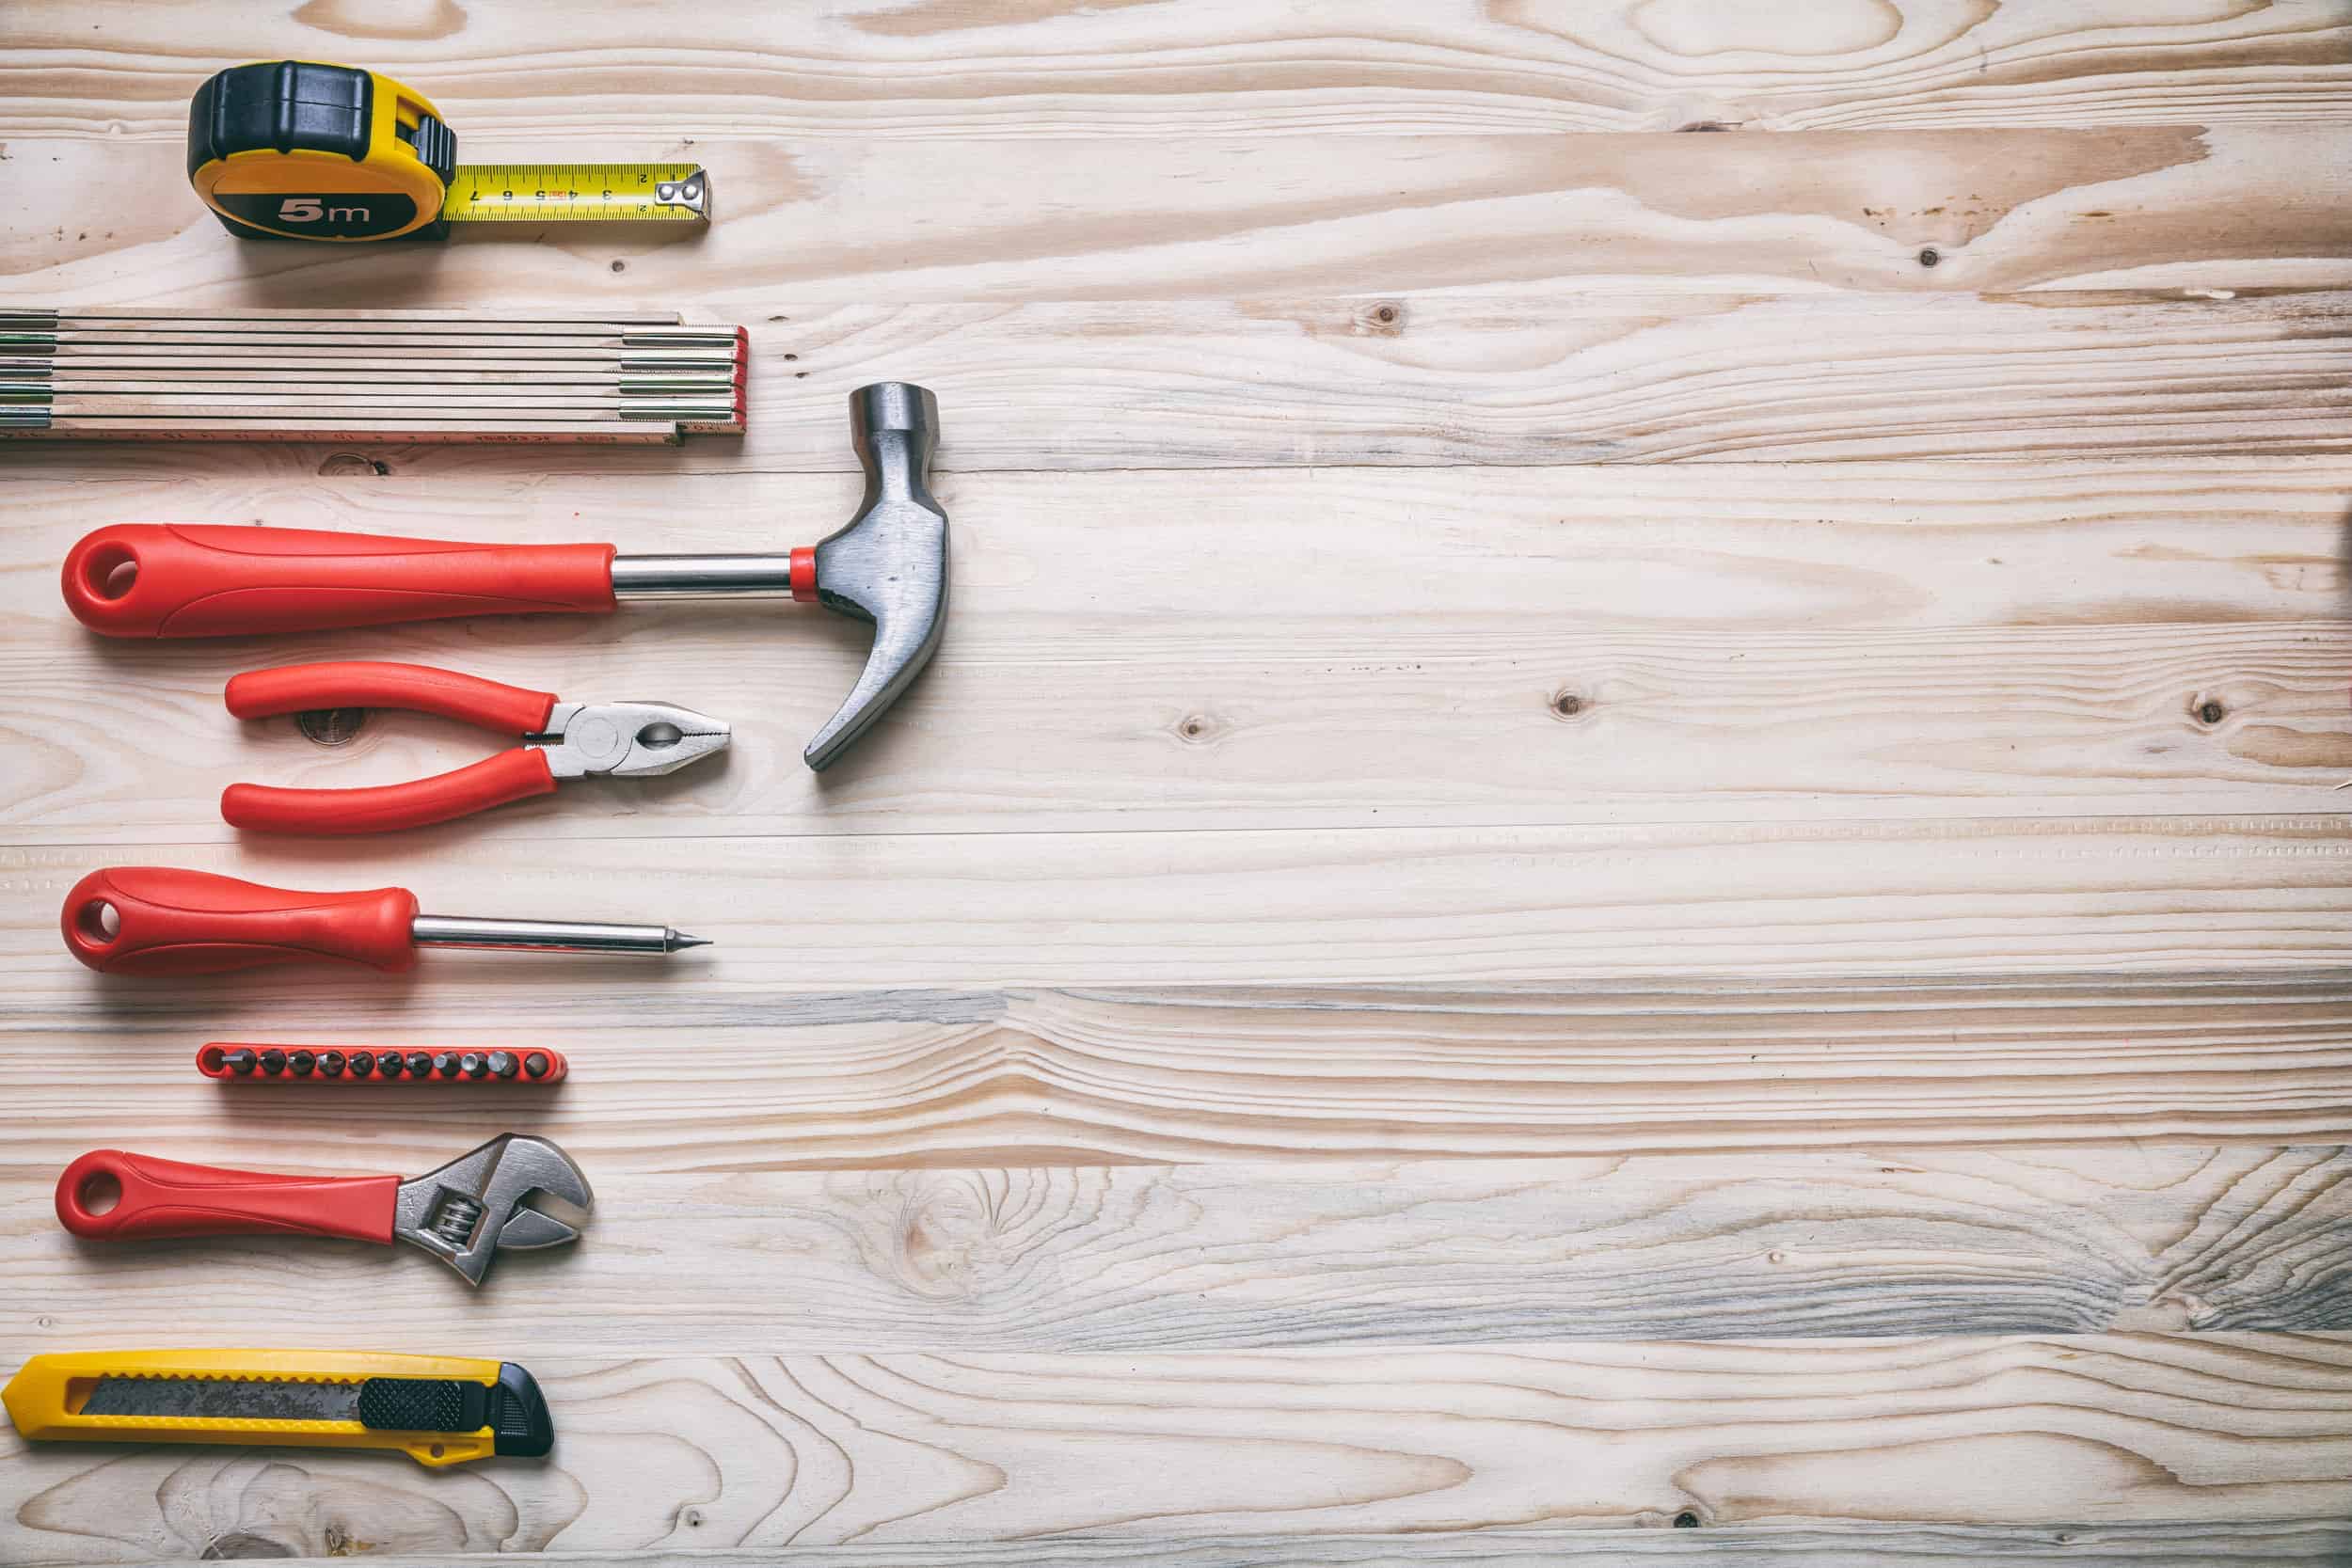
column 297, row 150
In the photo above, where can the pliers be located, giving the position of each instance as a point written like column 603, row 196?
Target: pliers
column 560, row 740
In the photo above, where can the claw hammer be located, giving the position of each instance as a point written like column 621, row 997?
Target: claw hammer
column 887, row 566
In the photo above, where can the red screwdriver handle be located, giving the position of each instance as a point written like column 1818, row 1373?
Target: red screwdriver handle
column 514, row 775
column 162, row 1198
column 156, row 920
column 412, row 688
column 154, row 579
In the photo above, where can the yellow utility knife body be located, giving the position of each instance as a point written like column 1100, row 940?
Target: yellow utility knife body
column 298, row 149
column 437, row 1409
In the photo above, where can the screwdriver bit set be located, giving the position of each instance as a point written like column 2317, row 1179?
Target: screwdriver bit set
column 236, row 1063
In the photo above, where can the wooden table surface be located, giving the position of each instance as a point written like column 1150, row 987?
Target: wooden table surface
column 1620, row 829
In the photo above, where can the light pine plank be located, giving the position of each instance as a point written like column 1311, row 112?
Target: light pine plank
column 1477, row 647
column 1705, row 902
column 1858, row 1545
column 1468, row 906
column 1491, row 379
column 663, row 1453
column 929, row 68
column 960, row 220
column 1059, row 564
column 687, row 1078
column 1230, row 1254
column 1755, row 725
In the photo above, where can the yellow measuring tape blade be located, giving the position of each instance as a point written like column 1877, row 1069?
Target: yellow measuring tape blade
column 578, row 193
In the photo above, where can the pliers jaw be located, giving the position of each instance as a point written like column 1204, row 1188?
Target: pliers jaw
column 624, row 740
column 476, row 1205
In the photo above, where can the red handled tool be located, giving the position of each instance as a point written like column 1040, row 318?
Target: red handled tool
column 560, row 740
column 148, row 580
column 886, row 567
column 476, row 1205
column 234, row 1063
column 159, row 920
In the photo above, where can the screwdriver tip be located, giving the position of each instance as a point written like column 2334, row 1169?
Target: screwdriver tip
column 679, row 940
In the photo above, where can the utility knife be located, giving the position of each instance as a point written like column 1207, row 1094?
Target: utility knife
column 437, row 1409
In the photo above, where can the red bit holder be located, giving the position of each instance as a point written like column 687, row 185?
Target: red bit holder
column 237, row 1062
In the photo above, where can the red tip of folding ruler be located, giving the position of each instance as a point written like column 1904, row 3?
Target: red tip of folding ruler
column 742, row 374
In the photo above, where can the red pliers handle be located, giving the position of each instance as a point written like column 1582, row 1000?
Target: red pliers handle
column 513, row 775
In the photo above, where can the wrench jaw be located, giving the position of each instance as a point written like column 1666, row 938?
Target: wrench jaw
column 478, row 1204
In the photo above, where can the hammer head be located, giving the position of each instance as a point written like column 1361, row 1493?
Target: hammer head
column 889, row 565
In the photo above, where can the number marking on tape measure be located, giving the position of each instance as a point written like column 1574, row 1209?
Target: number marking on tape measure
column 575, row 193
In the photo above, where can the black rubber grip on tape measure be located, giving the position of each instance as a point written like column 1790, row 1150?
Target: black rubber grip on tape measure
column 281, row 105
column 436, row 147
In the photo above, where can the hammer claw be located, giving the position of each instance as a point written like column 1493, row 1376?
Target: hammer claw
column 889, row 565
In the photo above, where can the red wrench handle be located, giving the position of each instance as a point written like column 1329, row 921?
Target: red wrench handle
column 163, row 1198
column 154, row 579
column 167, row 921
column 514, row 775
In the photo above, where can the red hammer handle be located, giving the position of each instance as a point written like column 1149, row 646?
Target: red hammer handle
column 166, row 921
column 154, row 579
column 163, row 1198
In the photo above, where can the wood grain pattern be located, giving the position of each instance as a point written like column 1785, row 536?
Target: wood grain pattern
column 1504, row 730
column 753, row 1451
column 1490, row 379
column 2171, row 1545
column 678, row 1075
column 1736, row 643
column 2225, row 207
column 1817, row 900
column 892, row 68
column 1218, row 1256
column 1626, row 848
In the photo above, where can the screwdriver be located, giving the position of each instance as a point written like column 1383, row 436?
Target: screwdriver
column 158, row 920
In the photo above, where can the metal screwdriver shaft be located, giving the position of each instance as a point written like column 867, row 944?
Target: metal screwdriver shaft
column 549, row 936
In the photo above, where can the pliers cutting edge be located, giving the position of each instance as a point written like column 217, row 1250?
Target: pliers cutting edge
column 560, row 740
